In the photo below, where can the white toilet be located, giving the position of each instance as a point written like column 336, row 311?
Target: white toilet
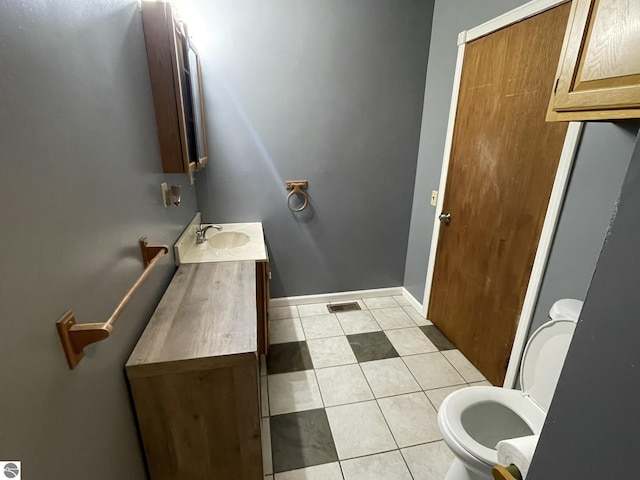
column 473, row 420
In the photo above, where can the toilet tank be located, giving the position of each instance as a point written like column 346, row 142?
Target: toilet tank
column 566, row 309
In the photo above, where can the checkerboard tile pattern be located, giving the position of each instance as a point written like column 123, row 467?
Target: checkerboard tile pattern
column 354, row 395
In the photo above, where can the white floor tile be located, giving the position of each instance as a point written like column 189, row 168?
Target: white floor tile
column 268, row 477
column 412, row 419
column 428, row 462
column 277, row 313
column 330, row 352
column 416, row 316
column 328, row 471
column 463, row 366
column 395, row 317
column 358, row 322
column 384, row 466
column 483, row 383
column 359, row 429
column 438, row 395
column 344, row 384
column 293, row 392
column 389, row 377
column 401, row 300
column 432, row 370
column 321, row 326
column 264, row 397
column 313, row 309
column 267, row 460
column 380, row 302
column 410, row 341
column 286, row 330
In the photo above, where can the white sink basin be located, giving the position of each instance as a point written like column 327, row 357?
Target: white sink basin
column 235, row 242
column 226, row 240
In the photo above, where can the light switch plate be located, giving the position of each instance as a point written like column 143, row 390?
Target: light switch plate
column 165, row 194
column 434, row 197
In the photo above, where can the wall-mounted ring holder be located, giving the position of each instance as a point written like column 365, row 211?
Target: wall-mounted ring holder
column 297, row 188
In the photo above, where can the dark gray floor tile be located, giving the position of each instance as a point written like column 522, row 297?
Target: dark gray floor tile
column 371, row 346
column 288, row 357
column 301, row 439
column 437, row 337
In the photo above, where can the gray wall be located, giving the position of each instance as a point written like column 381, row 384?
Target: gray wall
column 593, row 188
column 327, row 91
column 79, row 182
column 591, row 428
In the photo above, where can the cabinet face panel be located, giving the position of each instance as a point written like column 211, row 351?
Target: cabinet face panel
column 612, row 42
column 599, row 72
column 201, row 424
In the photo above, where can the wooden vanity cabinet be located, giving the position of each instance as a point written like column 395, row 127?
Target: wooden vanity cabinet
column 598, row 77
column 176, row 84
column 194, row 376
column 263, row 274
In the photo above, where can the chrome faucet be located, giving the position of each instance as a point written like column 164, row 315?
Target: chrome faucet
column 201, row 232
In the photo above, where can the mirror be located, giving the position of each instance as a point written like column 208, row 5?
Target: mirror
column 198, row 105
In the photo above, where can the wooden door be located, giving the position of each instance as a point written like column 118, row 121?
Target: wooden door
column 502, row 167
column 598, row 76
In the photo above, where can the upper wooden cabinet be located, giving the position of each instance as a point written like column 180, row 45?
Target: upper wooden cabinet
column 598, row 76
column 176, row 82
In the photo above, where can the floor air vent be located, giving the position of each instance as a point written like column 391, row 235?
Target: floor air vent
column 343, row 307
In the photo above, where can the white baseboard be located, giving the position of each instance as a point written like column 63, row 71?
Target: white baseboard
column 340, row 296
column 412, row 300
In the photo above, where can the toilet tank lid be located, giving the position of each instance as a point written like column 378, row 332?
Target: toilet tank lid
column 566, row 308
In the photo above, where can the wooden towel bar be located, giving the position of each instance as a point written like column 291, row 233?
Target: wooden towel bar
column 74, row 337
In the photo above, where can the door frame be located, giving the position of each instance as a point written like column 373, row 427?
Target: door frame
column 556, row 199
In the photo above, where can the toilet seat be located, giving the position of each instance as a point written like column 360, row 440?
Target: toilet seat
column 510, row 410
column 451, row 425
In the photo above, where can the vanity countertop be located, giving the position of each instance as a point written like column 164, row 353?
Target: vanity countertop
column 207, row 313
column 187, row 251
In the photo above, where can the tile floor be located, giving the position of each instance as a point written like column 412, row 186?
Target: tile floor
column 354, row 395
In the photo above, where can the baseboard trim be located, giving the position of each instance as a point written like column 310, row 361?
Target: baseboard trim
column 412, row 300
column 339, row 296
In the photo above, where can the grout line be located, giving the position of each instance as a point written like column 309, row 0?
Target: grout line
column 387, row 423
column 324, row 406
column 399, row 450
column 414, row 377
column 368, row 455
column 453, row 366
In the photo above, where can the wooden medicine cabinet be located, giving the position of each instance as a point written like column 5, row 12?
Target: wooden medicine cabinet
column 598, row 77
column 176, row 83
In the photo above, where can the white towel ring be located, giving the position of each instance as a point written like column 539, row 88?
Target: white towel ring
column 296, row 188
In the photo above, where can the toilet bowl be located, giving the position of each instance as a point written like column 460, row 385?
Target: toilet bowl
column 474, row 419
